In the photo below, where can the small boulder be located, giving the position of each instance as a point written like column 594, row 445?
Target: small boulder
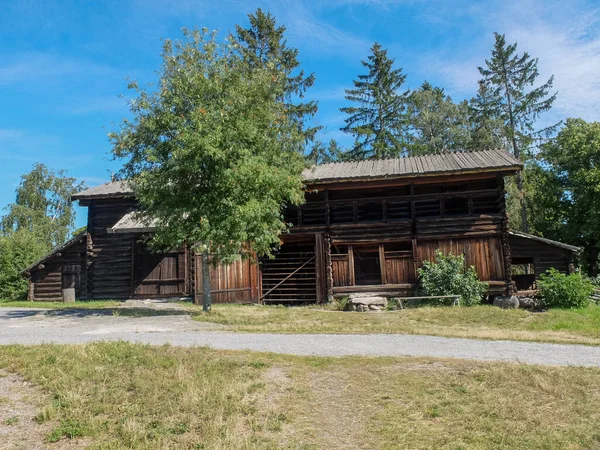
column 529, row 302
column 372, row 300
column 506, row 301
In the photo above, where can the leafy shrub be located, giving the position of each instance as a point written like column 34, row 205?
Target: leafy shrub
column 17, row 251
column 447, row 275
column 559, row 290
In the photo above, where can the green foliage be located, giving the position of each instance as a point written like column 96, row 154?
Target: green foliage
column 485, row 120
column 43, row 206
column 213, row 153
column 321, row 154
column 377, row 119
column 565, row 194
column 17, row 251
column 437, row 123
column 263, row 45
column 559, row 290
column 447, row 275
column 508, row 85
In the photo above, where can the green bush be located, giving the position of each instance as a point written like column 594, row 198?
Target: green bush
column 447, row 275
column 17, row 251
column 559, row 290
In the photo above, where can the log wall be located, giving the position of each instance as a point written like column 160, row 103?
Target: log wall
column 110, row 255
column 47, row 279
column 542, row 255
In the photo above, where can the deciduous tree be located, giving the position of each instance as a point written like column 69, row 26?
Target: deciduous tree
column 565, row 204
column 43, row 206
column 212, row 152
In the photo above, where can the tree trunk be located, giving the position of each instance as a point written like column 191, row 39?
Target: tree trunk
column 592, row 259
column 206, row 297
column 517, row 154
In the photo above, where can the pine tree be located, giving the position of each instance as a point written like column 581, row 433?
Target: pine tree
column 437, row 124
column 378, row 121
column 263, row 45
column 484, row 117
column 510, row 77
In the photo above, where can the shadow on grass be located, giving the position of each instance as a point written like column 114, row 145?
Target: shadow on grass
column 117, row 312
column 100, row 312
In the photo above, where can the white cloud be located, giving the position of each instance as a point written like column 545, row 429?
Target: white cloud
column 82, row 106
column 564, row 36
column 26, row 67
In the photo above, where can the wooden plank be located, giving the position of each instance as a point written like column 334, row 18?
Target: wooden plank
column 351, row 278
column 382, row 264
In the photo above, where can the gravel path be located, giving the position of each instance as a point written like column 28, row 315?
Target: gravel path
column 36, row 326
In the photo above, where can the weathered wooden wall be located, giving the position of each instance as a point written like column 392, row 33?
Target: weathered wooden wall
column 160, row 274
column 542, row 255
column 232, row 283
column 485, row 253
column 110, row 255
column 47, row 278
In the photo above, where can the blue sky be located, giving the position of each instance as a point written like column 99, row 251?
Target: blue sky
column 64, row 63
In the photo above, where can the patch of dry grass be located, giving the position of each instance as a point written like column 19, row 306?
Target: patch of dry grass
column 121, row 395
column 482, row 322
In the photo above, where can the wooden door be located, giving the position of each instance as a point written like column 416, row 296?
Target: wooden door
column 158, row 274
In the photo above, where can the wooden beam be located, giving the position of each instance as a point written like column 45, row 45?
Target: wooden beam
column 351, row 265
column 382, row 264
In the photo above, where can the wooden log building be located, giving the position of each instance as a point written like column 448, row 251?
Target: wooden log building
column 366, row 226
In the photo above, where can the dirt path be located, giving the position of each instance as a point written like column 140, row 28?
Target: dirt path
column 27, row 326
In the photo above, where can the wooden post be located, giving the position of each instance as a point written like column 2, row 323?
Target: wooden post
column 320, row 275
column 505, row 241
column 31, row 290
column 382, row 264
column 351, row 265
column 329, row 268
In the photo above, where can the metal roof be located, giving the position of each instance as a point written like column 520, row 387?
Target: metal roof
column 408, row 167
column 132, row 223
column 112, row 189
column 413, row 166
column 568, row 247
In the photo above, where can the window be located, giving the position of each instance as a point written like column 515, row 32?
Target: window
column 456, row 206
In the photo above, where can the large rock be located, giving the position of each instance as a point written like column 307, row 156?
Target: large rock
column 368, row 301
column 506, row 301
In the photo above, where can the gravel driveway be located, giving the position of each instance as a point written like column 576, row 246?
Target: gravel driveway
column 36, row 326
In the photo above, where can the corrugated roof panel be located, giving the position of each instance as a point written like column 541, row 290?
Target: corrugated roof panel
column 446, row 163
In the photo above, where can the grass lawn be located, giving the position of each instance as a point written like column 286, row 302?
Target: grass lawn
column 121, row 395
column 485, row 322
column 91, row 304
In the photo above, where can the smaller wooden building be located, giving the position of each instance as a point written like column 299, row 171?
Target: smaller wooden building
column 533, row 255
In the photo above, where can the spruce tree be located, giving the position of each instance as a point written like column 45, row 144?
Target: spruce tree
column 437, row 124
column 377, row 119
column 263, row 45
column 322, row 154
column 484, row 117
column 510, row 78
